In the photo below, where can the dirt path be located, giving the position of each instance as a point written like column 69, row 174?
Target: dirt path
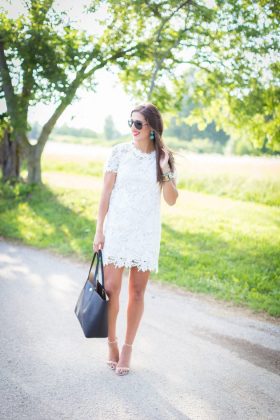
column 193, row 358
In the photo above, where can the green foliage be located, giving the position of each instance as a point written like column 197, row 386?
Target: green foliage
column 44, row 58
column 253, row 119
column 239, row 87
column 167, row 29
column 47, row 50
column 178, row 127
column 5, row 124
column 151, row 45
column 15, row 191
column 235, row 45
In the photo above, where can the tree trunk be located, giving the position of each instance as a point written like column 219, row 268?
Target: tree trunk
column 264, row 148
column 10, row 158
column 34, row 154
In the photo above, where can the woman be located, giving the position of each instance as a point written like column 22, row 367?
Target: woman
column 134, row 175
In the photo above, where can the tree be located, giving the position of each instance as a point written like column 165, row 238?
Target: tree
column 241, row 89
column 44, row 59
column 170, row 29
column 9, row 152
column 178, row 126
column 110, row 131
column 235, row 45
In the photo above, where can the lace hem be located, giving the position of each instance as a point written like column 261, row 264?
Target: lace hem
column 126, row 262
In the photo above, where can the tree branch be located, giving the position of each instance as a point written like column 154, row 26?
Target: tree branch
column 117, row 54
column 158, row 63
column 167, row 19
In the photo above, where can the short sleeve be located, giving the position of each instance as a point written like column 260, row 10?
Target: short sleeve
column 112, row 162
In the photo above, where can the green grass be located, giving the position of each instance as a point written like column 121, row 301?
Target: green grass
column 52, row 218
column 99, row 140
column 221, row 238
column 91, row 168
column 256, row 180
column 220, row 246
column 230, row 249
column 66, row 138
column 264, row 191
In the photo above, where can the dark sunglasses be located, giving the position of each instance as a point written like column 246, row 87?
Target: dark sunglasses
column 137, row 124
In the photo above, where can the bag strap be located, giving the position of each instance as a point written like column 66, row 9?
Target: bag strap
column 94, row 255
column 99, row 261
column 102, row 267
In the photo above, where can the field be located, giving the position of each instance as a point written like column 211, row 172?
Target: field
column 221, row 238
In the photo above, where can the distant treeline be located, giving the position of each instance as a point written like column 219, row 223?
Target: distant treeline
column 177, row 129
column 64, row 130
column 77, row 132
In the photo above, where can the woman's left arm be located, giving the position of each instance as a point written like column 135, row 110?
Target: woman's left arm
column 170, row 192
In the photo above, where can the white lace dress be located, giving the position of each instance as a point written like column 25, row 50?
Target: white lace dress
column 132, row 225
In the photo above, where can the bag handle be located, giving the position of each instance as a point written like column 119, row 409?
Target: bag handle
column 94, row 255
column 99, row 260
column 102, row 267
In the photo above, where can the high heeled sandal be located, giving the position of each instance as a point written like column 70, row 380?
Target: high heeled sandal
column 112, row 364
column 123, row 370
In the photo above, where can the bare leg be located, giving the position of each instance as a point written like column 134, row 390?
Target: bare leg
column 113, row 282
column 137, row 285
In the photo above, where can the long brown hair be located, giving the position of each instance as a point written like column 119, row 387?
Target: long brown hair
column 154, row 118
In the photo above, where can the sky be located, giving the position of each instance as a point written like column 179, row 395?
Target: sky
column 92, row 108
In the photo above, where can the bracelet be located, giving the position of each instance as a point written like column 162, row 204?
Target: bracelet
column 167, row 176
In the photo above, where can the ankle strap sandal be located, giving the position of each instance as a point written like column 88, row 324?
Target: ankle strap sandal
column 111, row 363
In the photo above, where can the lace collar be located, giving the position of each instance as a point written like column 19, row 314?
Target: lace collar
column 139, row 152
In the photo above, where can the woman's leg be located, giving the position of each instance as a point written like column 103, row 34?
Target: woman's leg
column 113, row 282
column 137, row 285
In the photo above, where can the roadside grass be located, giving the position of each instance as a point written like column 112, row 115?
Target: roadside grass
column 210, row 244
column 66, row 138
column 242, row 181
column 92, row 168
column 229, row 248
column 263, row 191
column 254, row 179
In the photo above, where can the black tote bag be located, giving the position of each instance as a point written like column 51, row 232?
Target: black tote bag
column 92, row 306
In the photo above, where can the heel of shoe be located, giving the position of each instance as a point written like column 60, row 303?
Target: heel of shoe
column 123, row 370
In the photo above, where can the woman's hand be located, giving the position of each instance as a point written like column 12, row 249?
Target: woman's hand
column 163, row 162
column 98, row 241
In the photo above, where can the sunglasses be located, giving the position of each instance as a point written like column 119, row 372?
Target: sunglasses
column 137, row 124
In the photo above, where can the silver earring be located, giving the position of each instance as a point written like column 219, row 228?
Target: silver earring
column 152, row 135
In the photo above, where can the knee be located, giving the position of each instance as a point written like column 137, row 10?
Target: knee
column 112, row 289
column 138, row 294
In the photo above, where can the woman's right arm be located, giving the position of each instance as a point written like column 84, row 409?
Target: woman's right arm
column 108, row 184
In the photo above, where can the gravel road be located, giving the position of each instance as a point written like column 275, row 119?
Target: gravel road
column 193, row 358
